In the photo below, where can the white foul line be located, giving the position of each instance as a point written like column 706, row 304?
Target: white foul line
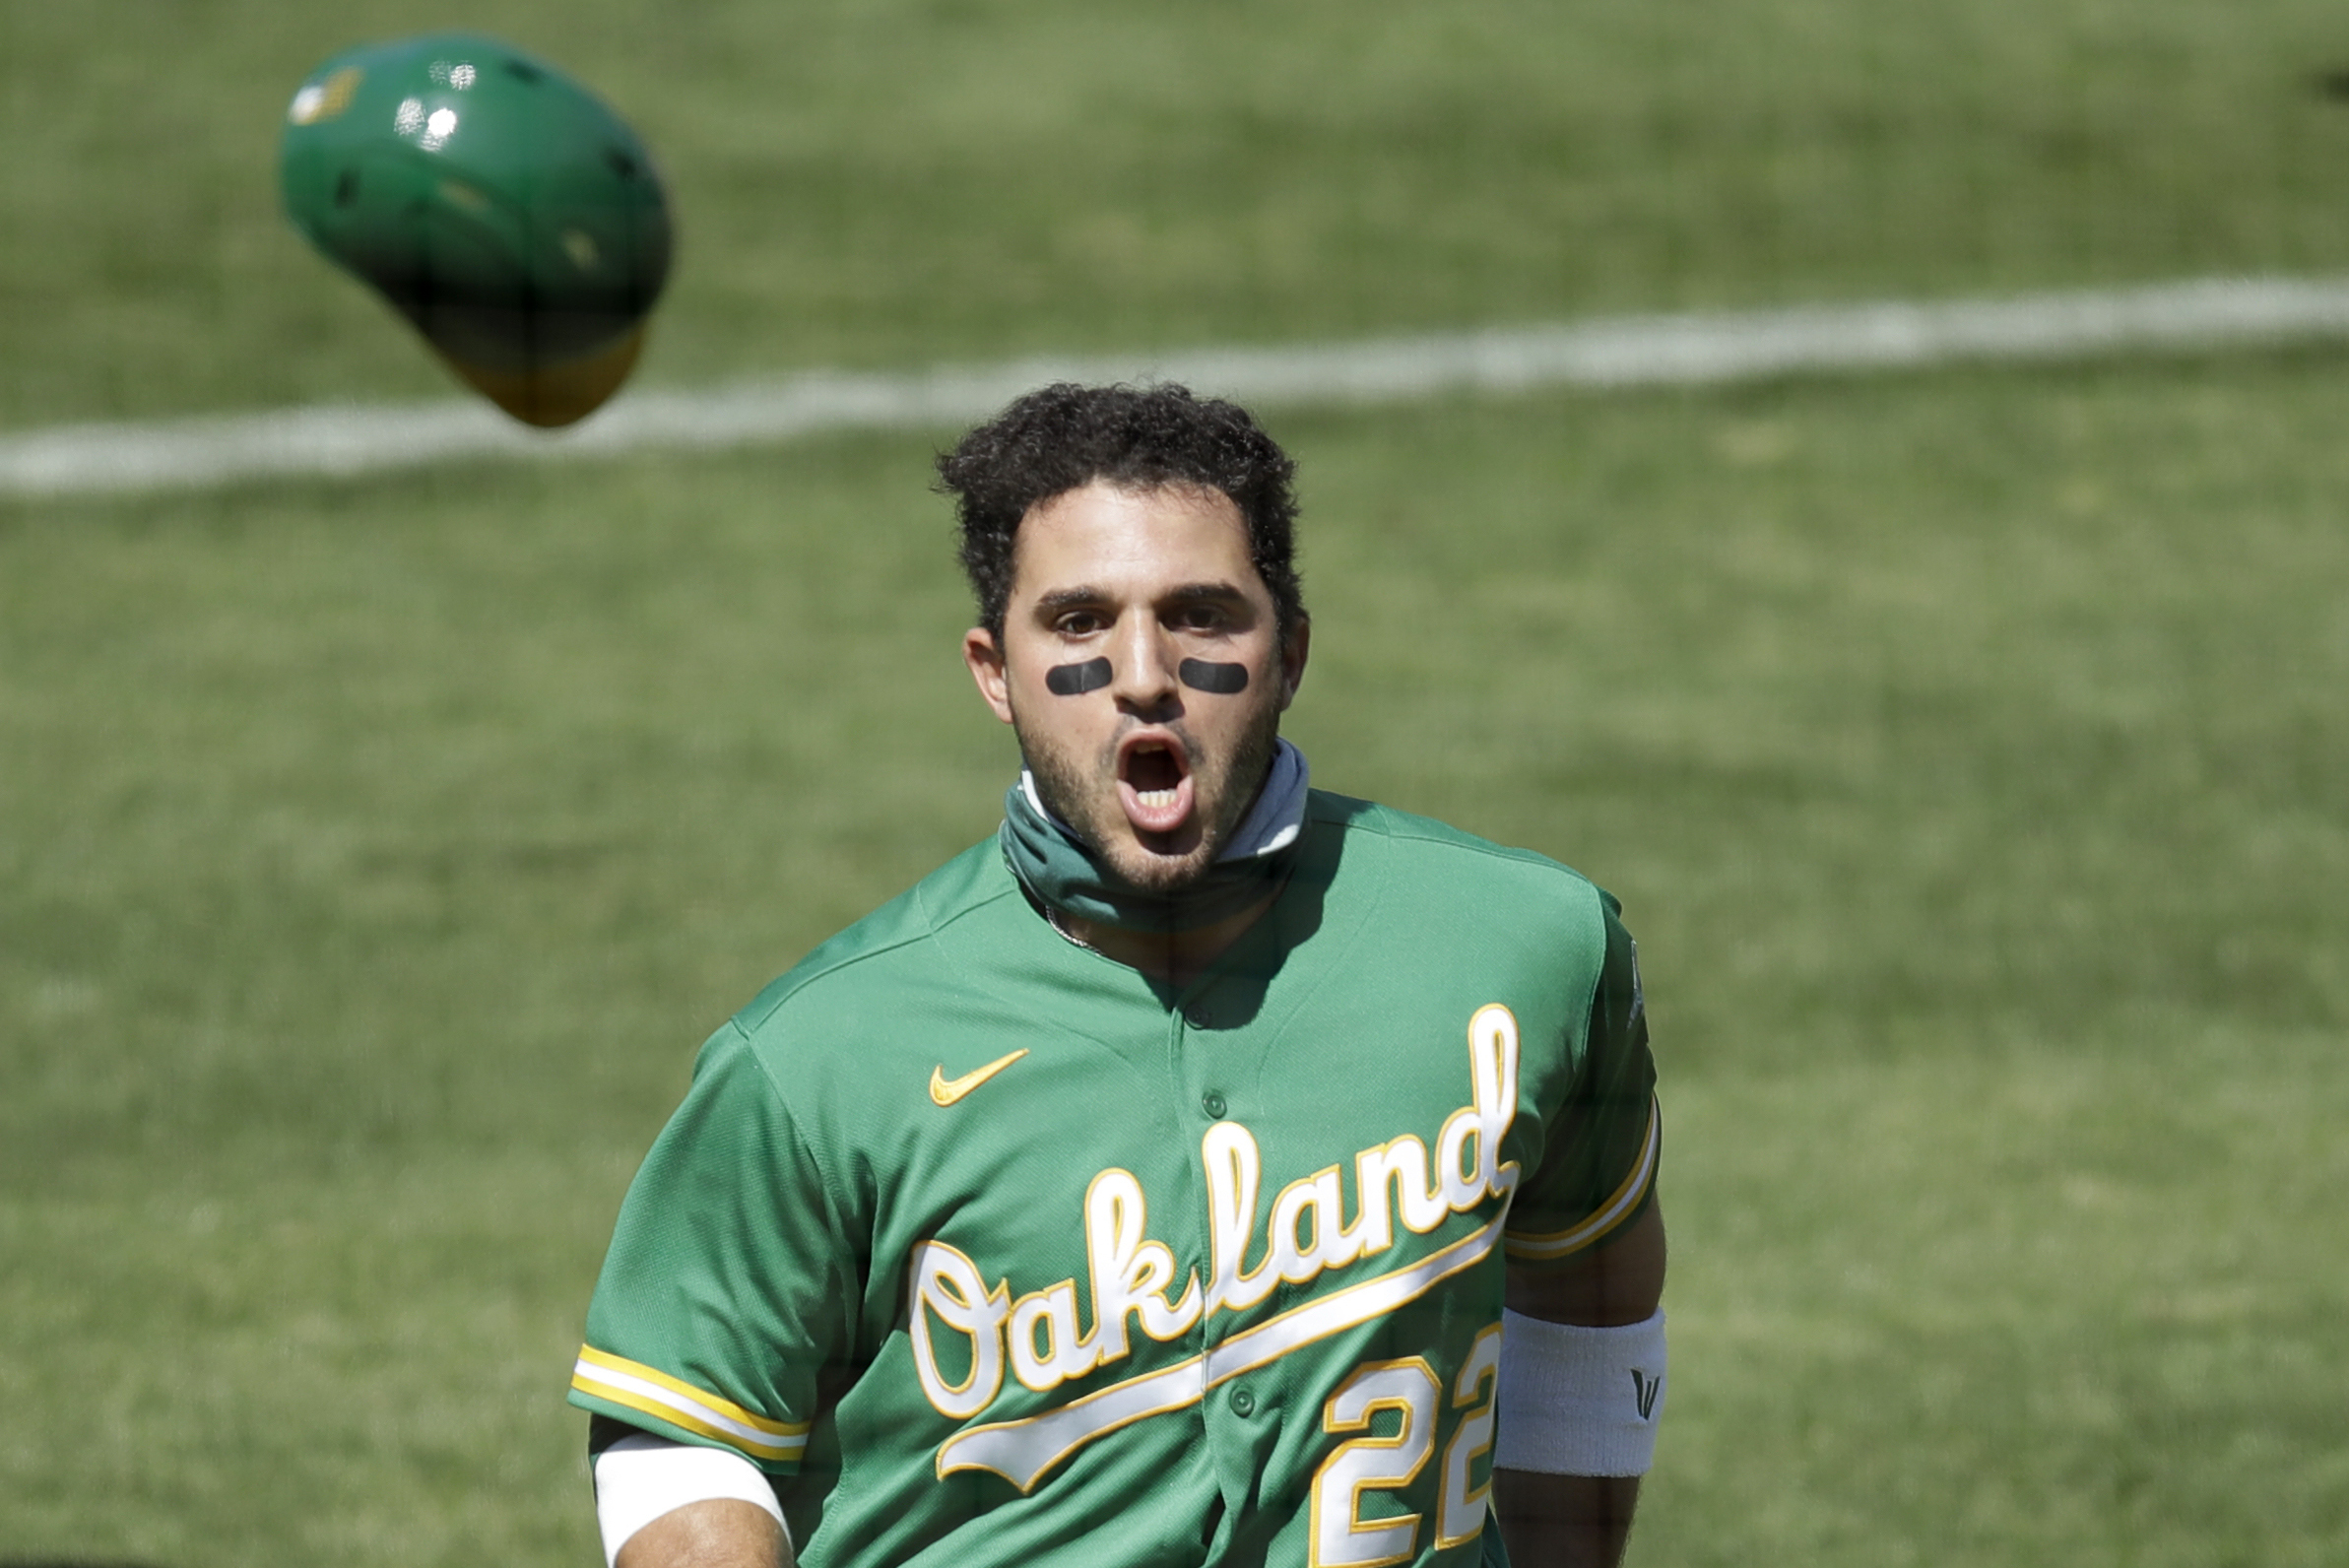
column 1614, row 352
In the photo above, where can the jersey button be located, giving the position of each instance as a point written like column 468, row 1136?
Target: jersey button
column 1201, row 1017
column 1243, row 1403
column 1212, row 1103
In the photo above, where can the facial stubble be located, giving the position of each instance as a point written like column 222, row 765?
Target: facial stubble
column 1085, row 797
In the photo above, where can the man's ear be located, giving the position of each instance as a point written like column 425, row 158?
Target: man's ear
column 983, row 656
column 1292, row 660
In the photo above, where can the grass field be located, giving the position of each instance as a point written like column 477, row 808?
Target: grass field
column 1967, row 747
column 887, row 182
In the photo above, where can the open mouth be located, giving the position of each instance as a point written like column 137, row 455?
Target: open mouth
column 1154, row 783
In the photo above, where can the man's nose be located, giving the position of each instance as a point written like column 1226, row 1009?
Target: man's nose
column 1144, row 665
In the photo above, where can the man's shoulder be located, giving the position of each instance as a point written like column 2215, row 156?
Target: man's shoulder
column 1429, row 912
column 879, row 952
column 1428, row 855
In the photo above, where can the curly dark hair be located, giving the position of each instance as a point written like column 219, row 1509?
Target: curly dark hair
column 1063, row 437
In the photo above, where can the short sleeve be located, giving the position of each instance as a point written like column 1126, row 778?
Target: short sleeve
column 727, row 1294
column 1602, row 1145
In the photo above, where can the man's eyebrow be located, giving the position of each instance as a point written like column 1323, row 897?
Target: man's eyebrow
column 1070, row 598
column 1195, row 591
column 1086, row 594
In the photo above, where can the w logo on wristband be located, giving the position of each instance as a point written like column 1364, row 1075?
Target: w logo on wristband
column 1644, row 1391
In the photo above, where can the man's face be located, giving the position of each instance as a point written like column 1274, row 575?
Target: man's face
column 1155, row 757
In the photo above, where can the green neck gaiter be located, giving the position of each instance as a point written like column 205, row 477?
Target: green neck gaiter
column 1062, row 872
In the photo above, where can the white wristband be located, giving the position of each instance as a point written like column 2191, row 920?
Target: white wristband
column 641, row 1476
column 1577, row 1401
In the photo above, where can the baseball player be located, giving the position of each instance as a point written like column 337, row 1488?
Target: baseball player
column 1202, row 1169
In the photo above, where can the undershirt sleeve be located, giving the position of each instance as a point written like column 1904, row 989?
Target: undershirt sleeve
column 730, row 1284
column 1604, row 1143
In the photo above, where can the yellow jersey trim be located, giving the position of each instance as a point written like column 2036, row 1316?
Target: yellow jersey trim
column 1620, row 1205
column 649, row 1391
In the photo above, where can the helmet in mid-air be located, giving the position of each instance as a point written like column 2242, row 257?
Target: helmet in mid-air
column 497, row 204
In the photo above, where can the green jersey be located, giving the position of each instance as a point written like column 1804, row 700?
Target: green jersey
column 990, row 1251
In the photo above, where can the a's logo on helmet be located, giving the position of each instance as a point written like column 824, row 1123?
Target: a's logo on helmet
column 324, row 100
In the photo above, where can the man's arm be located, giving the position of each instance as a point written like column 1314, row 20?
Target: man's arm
column 717, row 1309
column 719, row 1533
column 1581, row 1521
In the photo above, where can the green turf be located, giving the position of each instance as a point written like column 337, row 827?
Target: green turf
column 1967, row 750
column 884, row 182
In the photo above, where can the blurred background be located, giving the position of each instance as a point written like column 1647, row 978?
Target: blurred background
column 1965, row 743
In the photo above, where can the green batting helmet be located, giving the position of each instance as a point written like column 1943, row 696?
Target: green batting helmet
column 497, row 204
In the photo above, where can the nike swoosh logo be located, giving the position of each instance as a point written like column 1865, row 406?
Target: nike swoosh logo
column 944, row 1092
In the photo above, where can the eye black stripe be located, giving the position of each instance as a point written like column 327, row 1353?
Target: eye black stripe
column 1218, row 680
column 1075, row 679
